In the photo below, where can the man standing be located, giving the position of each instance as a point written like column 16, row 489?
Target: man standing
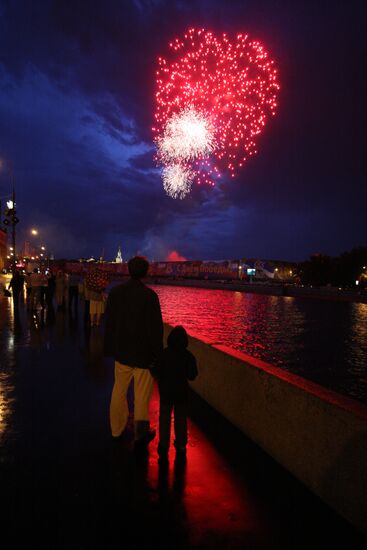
column 134, row 338
column 16, row 284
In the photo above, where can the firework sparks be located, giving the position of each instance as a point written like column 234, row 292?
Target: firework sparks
column 214, row 97
column 187, row 136
column 177, row 180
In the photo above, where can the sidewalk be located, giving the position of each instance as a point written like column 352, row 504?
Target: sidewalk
column 66, row 484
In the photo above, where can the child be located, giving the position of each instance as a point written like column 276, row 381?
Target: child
column 175, row 366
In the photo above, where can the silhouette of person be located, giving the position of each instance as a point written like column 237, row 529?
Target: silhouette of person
column 16, row 284
column 134, row 338
column 173, row 369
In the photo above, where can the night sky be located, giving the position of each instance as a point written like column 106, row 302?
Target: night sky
column 77, row 83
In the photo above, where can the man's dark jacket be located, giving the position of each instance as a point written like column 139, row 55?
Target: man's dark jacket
column 133, row 326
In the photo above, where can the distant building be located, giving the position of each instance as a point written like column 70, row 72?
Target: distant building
column 118, row 259
column 278, row 270
column 27, row 252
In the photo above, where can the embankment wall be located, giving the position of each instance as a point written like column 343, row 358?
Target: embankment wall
column 316, row 434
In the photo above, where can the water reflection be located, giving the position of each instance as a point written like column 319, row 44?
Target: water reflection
column 6, row 402
column 261, row 326
column 324, row 341
column 357, row 366
column 2, row 407
column 9, row 328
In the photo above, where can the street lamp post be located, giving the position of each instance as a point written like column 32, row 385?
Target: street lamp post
column 14, row 223
column 11, row 218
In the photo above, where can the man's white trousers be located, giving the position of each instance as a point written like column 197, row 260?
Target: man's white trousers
column 143, row 386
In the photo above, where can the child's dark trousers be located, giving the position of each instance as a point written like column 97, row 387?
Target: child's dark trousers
column 179, row 408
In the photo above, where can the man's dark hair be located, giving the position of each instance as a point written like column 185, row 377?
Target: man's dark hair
column 177, row 338
column 138, row 267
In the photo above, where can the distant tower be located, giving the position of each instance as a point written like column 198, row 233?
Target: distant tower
column 119, row 256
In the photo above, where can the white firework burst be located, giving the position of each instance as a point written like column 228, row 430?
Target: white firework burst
column 187, row 136
column 177, row 180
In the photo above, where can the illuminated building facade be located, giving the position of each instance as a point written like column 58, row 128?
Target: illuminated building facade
column 118, row 259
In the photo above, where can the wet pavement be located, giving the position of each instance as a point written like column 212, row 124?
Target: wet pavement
column 66, row 484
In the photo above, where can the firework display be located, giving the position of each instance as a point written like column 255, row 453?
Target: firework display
column 177, row 180
column 214, row 97
column 187, row 135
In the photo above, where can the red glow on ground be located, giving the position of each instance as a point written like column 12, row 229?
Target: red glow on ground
column 205, row 491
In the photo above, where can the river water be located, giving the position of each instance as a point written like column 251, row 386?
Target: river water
column 323, row 341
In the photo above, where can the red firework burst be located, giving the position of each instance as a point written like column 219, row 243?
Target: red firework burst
column 233, row 83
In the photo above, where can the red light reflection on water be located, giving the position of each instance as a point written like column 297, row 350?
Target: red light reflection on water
column 302, row 336
column 250, row 323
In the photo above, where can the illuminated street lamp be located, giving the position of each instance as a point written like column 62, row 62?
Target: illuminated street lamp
column 10, row 213
column 11, row 219
column 39, row 251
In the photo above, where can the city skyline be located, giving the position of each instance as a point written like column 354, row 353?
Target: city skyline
column 76, row 112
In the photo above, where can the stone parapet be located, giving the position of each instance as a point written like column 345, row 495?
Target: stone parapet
column 316, row 434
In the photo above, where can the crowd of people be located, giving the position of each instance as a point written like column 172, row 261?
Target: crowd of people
column 43, row 288
column 133, row 336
